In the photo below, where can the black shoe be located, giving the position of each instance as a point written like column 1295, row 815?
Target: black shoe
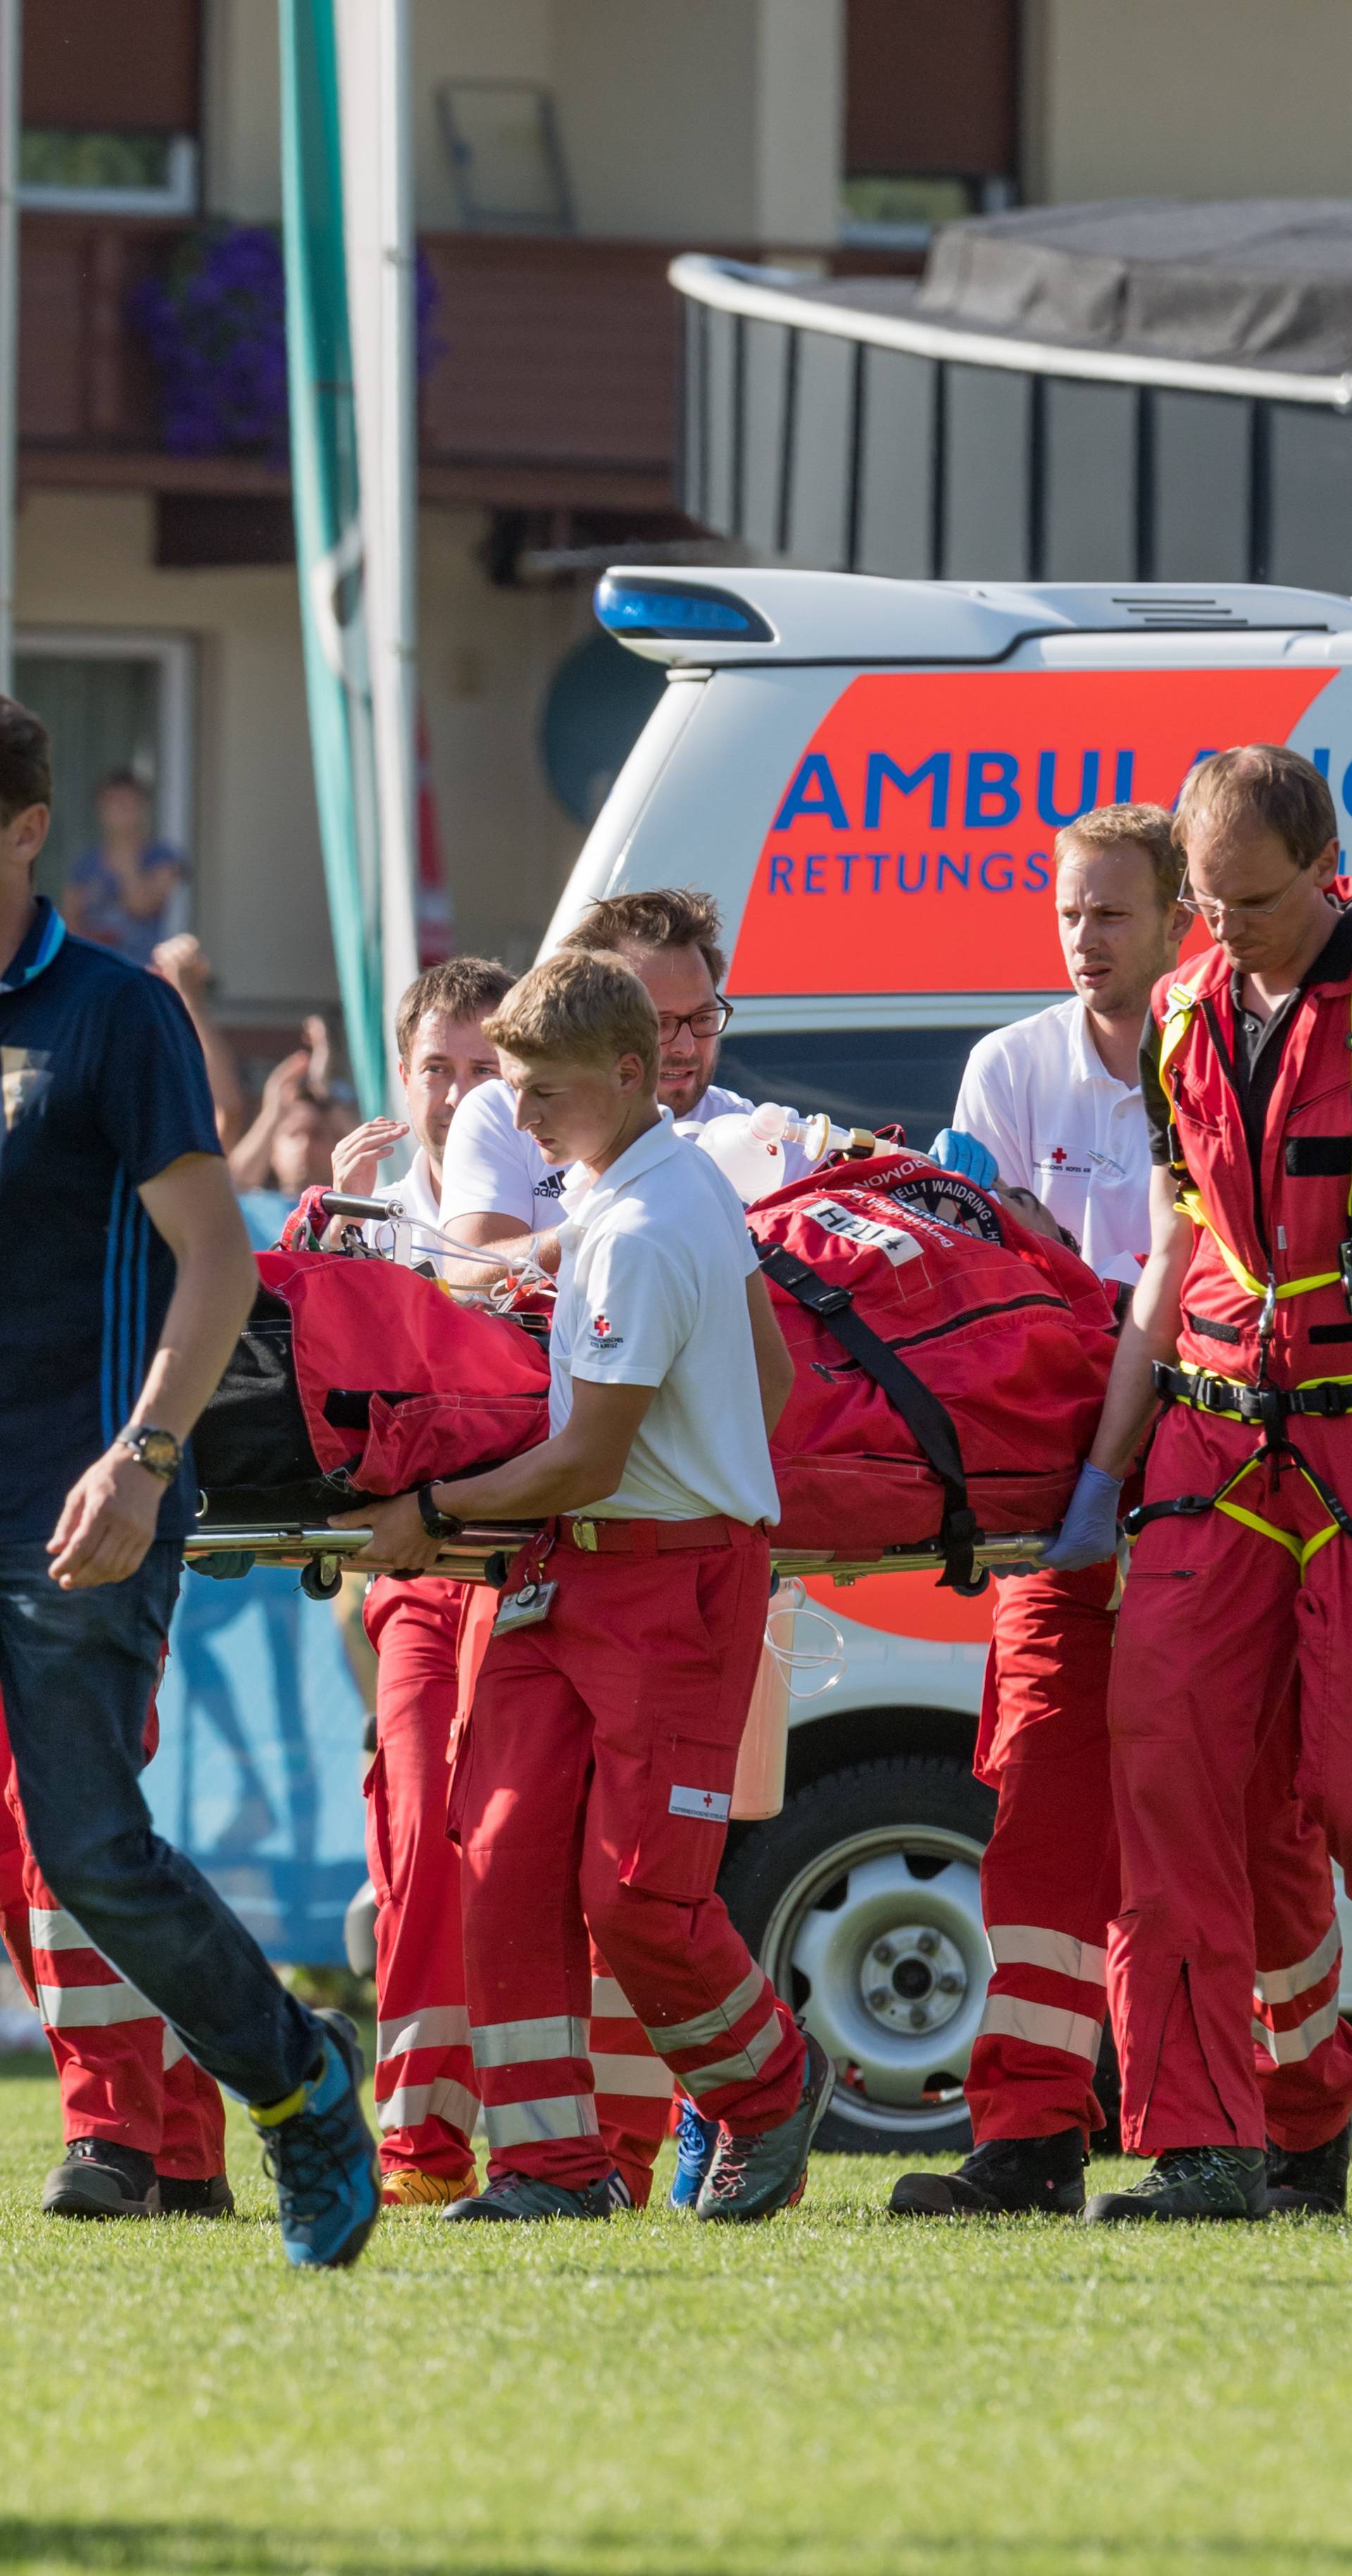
column 98, row 2179
column 529, row 2196
column 1005, row 2178
column 211, row 2198
column 753, row 2177
column 1310, row 2182
column 1191, row 2182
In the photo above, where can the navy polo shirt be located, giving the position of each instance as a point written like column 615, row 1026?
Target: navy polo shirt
column 102, row 1086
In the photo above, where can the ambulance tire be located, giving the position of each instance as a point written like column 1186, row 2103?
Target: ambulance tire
column 884, row 1853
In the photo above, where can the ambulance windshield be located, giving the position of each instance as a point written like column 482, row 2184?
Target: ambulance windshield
column 859, row 1076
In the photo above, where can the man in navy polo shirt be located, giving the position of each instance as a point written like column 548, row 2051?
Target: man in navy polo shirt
column 126, row 1277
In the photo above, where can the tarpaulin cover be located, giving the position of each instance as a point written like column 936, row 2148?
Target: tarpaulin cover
column 1260, row 282
column 1009, row 1330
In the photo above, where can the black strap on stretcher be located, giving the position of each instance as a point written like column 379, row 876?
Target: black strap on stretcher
column 1270, row 1407
column 924, row 1416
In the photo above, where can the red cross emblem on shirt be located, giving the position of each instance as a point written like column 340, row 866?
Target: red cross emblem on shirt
column 601, row 1326
column 708, row 1797
column 1059, row 1156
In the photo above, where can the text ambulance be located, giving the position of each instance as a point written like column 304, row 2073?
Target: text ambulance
column 869, row 776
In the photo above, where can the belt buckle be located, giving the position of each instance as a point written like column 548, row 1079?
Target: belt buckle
column 584, row 1535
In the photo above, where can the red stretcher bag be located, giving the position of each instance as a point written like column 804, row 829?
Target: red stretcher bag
column 950, row 1365
column 359, row 1377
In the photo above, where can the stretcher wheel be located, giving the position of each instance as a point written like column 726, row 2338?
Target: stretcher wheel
column 321, row 1578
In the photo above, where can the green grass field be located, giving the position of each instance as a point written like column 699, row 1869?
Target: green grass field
column 834, row 2394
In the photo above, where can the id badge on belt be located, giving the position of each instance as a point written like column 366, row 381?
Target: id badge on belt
column 524, row 1609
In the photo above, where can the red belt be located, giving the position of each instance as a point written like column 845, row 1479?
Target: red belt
column 647, row 1538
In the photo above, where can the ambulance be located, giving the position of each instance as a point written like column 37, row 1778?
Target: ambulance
column 869, row 776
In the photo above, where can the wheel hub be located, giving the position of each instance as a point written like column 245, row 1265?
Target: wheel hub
column 915, row 1978
column 881, row 1943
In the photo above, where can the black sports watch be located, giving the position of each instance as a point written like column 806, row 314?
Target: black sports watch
column 157, row 1451
column 437, row 1524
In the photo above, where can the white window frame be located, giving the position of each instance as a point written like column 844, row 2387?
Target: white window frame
column 178, row 196
column 175, row 783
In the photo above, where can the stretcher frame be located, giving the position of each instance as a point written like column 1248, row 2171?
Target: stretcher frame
column 483, row 1553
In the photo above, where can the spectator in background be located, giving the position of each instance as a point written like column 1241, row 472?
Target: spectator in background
column 121, row 892
column 290, row 1145
column 183, row 962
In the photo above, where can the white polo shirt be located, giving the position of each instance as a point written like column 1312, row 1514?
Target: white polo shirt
column 490, row 1166
column 1058, row 1123
column 654, row 1261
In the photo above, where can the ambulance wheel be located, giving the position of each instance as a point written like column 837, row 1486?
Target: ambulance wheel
column 862, row 1900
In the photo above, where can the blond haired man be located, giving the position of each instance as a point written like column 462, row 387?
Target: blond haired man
column 595, row 1786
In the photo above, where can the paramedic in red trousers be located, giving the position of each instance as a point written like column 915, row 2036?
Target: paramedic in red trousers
column 595, row 1783
column 499, row 1186
column 429, row 1635
column 425, row 2093
column 1241, row 1578
column 1057, row 1100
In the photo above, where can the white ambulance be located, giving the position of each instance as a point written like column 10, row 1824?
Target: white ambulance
column 869, row 775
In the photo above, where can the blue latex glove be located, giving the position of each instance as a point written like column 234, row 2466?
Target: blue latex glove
column 1088, row 1534
column 959, row 1152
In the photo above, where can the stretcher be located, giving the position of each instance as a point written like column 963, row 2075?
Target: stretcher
column 482, row 1553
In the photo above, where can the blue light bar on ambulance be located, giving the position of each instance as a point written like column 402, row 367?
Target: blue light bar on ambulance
column 666, row 611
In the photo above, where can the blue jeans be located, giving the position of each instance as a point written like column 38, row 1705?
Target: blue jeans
column 76, row 1673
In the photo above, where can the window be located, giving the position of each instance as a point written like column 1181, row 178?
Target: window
column 111, row 106
column 861, row 1077
column 931, row 115
column 110, row 702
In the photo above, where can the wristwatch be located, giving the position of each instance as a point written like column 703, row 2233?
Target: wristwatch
column 437, row 1524
column 157, row 1451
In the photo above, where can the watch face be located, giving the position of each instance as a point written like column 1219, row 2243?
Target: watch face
column 160, row 1450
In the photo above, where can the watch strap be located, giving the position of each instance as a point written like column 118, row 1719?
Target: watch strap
column 436, row 1523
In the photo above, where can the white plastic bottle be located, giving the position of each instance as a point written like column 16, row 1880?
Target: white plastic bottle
column 748, row 1146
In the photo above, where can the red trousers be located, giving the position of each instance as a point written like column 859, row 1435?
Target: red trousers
column 592, row 1792
column 1050, row 1884
column 430, row 1637
column 124, row 2074
column 1227, row 1624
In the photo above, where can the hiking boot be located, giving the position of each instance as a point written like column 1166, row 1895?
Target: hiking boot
column 405, row 2187
column 210, row 2198
column 96, row 2178
column 1005, row 2178
column 1309, row 2182
column 753, row 2177
column 1191, row 2182
column 696, row 2139
column 529, row 2196
column 322, row 2156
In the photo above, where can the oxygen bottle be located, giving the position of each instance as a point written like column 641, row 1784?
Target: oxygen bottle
column 748, row 1146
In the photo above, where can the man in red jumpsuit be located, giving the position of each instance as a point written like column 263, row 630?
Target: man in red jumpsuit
column 594, row 1786
column 1240, row 1586
column 1056, row 1101
column 144, row 2126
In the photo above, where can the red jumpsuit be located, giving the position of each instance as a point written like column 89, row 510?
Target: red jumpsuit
column 1049, row 1886
column 430, row 1638
column 1248, row 1590
column 124, row 2074
column 591, row 1793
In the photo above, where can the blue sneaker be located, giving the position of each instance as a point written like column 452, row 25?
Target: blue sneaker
column 322, row 2157
column 696, row 2139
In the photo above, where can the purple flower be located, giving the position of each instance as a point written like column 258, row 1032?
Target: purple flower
column 215, row 323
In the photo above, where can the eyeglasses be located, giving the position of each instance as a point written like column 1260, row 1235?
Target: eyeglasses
column 709, row 1021
column 1211, row 907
